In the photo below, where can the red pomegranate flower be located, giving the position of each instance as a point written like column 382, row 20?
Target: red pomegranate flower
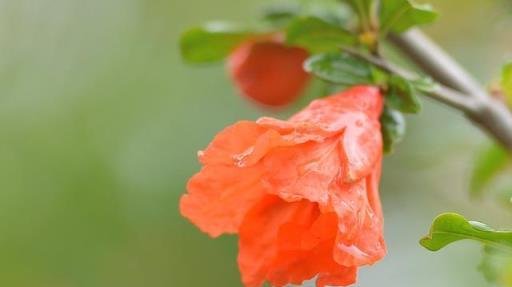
column 302, row 194
column 267, row 71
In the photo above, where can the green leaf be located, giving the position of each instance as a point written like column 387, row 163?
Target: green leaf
column 212, row 42
column 489, row 163
column 401, row 95
column 281, row 14
column 317, row 35
column 506, row 83
column 339, row 68
column 450, row 227
column 392, row 128
column 400, row 15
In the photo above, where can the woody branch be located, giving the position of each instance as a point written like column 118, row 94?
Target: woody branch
column 456, row 88
column 459, row 88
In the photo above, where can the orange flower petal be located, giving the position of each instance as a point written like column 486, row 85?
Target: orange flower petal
column 303, row 171
column 284, row 243
column 329, row 112
column 298, row 132
column 258, row 243
column 302, row 194
column 306, row 169
column 297, row 266
column 356, row 111
column 372, row 188
column 362, row 148
column 219, row 197
column 343, row 276
column 359, row 240
column 230, row 142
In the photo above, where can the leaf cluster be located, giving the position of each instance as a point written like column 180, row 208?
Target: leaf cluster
column 322, row 27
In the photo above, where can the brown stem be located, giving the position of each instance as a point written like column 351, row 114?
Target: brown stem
column 438, row 92
column 490, row 114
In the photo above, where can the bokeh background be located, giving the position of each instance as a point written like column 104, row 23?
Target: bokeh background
column 100, row 121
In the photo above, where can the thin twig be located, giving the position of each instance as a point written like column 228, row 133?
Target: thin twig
column 436, row 62
column 438, row 92
column 459, row 90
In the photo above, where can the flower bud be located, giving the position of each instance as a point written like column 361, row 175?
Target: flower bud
column 268, row 72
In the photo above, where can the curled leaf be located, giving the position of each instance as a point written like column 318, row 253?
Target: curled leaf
column 450, row 227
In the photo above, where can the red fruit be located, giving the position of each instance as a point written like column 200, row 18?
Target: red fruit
column 268, row 72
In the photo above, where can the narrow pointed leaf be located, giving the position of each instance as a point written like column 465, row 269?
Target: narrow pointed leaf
column 400, row 15
column 212, row 42
column 450, row 227
column 317, row 35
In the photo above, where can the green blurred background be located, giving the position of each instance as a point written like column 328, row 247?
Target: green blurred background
column 100, row 122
